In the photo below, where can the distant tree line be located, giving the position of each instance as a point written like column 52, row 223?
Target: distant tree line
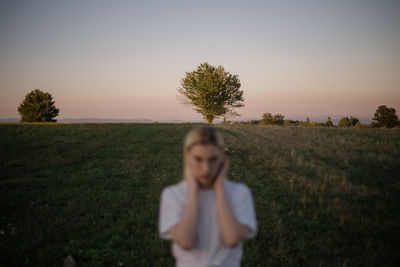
column 39, row 106
column 384, row 117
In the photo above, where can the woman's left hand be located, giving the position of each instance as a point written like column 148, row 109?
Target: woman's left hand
column 222, row 173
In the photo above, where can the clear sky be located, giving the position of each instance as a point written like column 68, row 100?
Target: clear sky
column 125, row 59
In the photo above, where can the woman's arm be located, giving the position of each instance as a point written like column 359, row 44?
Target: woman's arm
column 232, row 231
column 184, row 233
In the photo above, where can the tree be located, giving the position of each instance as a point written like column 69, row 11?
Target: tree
column 344, row 122
column 353, row 121
column 213, row 92
column 38, row 107
column 267, row 118
column 329, row 122
column 385, row 117
column 278, row 119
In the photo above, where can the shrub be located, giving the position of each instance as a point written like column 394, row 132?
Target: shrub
column 276, row 119
column 344, row 122
column 255, row 122
column 329, row 122
column 353, row 121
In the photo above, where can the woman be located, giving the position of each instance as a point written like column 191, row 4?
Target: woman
column 206, row 215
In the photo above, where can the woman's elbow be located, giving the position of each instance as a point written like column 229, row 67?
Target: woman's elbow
column 232, row 243
column 185, row 246
column 177, row 238
column 234, row 240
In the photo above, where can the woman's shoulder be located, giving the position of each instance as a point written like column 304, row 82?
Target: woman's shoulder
column 238, row 193
column 237, row 187
column 176, row 189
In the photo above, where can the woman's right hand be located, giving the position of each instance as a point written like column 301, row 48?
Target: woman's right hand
column 189, row 177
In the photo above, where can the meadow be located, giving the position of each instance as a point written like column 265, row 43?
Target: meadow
column 323, row 196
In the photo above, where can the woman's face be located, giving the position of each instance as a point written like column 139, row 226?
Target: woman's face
column 204, row 161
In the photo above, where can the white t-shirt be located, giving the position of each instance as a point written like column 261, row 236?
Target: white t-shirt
column 209, row 249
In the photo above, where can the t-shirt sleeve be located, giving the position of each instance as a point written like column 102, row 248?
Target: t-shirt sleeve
column 245, row 212
column 170, row 212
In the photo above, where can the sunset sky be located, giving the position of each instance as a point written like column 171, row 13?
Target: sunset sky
column 125, row 59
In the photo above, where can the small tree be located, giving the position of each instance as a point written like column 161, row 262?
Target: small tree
column 353, row 121
column 385, row 117
column 267, row 118
column 278, row 119
column 344, row 122
column 329, row 122
column 213, row 92
column 38, row 107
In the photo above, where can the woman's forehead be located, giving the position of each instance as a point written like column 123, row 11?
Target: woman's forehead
column 205, row 150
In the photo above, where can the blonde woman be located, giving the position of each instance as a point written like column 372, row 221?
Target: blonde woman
column 206, row 215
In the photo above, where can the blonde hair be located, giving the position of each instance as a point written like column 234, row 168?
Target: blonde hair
column 203, row 135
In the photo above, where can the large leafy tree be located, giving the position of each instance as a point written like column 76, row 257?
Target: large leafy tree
column 38, row 106
column 385, row 117
column 212, row 91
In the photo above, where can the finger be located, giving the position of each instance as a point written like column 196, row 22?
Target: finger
column 226, row 166
column 225, row 162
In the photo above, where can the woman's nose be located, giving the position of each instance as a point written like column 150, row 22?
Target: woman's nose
column 206, row 168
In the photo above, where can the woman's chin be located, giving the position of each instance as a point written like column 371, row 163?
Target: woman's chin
column 205, row 182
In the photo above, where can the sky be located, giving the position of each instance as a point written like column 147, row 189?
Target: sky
column 125, row 59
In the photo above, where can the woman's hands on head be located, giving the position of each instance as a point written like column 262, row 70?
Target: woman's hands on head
column 189, row 177
column 222, row 172
column 211, row 167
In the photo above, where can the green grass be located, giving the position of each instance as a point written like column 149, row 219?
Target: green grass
column 323, row 196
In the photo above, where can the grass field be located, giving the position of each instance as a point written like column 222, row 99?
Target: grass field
column 323, row 196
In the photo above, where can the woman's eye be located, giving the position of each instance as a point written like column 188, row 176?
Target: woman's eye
column 198, row 159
